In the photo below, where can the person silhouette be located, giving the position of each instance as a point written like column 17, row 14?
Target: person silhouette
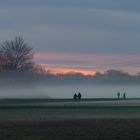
column 118, row 94
column 79, row 96
column 124, row 95
column 75, row 97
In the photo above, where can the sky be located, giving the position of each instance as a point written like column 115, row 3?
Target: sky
column 76, row 35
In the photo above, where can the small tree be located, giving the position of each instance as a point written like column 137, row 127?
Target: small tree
column 16, row 55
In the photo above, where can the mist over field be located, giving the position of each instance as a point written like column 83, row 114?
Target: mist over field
column 33, row 85
column 65, row 91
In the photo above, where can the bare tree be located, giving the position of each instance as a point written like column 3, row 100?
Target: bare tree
column 16, row 55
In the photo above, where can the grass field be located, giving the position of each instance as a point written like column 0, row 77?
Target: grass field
column 29, row 110
column 34, row 113
column 75, row 129
column 111, row 120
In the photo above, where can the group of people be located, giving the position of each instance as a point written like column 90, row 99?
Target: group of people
column 77, row 97
column 124, row 95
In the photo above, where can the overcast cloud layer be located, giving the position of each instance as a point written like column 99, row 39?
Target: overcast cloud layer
column 75, row 26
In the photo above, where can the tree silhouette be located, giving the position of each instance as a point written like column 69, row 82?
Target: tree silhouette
column 16, row 55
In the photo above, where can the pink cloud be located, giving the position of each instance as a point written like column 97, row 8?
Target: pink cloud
column 88, row 62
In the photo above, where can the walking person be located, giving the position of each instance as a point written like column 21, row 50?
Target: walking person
column 118, row 94
column 79, row 96
column 75, row 97
column 124, row 95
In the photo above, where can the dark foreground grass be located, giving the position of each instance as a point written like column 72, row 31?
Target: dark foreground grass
column 71, row 129
column 41, row 113
column 69, row 122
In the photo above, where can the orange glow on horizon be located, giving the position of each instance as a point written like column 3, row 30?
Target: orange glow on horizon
column 56, row 70
column 86, row 63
